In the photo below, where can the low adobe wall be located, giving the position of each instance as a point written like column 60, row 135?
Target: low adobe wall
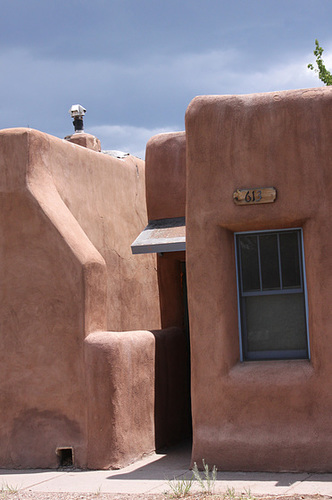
column 120, row 374
column 138, row 394
column 262, row 415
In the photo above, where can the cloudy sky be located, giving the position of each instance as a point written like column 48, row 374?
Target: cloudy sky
column 136, row 64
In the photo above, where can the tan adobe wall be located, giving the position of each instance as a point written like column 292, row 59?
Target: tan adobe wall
column 166, row 175
column 262, row 415
column 107, row 198
column 166, row 198
column 66, row 227
column 138, row 403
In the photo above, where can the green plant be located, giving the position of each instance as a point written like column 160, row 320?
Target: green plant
column 180, row 487
column 207, row 480
column 248, row 494
column 230, row 493
column 7, row 488
column 323, row 74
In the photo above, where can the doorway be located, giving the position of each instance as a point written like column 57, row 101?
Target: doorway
column 172, row 370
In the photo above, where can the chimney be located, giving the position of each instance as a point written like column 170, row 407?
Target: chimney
column 79, row 136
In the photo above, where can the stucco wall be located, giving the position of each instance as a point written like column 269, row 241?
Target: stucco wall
column 121, row 383
column 166, row 198
column 166, row 175
column 66, row 271
column 139, row 395
column 266, row 415
column 107, row 198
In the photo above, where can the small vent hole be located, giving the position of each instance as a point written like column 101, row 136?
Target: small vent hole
column 65, row 456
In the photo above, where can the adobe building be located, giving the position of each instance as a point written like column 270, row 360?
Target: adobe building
column 77, row 368
column 234, row 261
column 260, row 279
column 258, row 265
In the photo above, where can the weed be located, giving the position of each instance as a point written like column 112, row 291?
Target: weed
column 180, row 487
column 7, row 488
column 207, row 480
column 98, row 492
column 230, row 493
column 247, row 494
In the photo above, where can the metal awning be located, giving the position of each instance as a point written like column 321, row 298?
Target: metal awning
column 162, row 235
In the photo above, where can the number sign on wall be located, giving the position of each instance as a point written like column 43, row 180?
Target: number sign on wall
column 254, row 196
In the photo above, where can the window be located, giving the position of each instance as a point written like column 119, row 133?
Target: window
column 271, row 293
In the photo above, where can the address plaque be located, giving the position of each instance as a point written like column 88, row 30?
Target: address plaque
column 254, row 196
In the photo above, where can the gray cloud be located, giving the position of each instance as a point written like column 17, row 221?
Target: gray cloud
column 136, row 66
column 127, row 138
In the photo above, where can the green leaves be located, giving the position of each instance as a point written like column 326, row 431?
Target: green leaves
column 323, row 74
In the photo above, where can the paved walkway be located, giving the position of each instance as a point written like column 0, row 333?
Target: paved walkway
column 152, row 475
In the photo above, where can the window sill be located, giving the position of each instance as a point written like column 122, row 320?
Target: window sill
column 278, row 372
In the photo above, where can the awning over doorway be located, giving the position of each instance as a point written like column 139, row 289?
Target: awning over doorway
column 162, row 235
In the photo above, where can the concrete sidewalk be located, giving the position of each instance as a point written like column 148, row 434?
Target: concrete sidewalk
column 152, row 475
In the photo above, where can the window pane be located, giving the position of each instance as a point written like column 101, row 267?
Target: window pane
column 275, row 322
column 249, row 263
column 268, row 244
column 290, row 265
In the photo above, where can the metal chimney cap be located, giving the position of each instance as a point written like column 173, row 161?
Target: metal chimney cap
column 77, row 111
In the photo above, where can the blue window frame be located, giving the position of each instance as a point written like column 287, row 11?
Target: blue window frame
column 272, row 295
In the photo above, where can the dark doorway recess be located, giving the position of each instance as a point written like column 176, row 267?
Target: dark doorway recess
column 172, row 370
